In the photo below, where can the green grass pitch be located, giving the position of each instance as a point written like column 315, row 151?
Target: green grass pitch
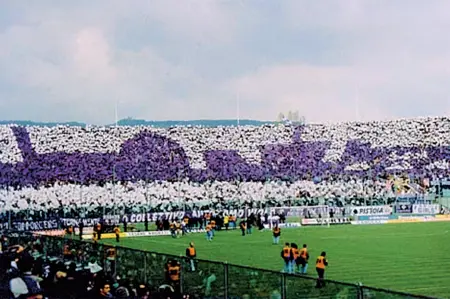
column 412, row 257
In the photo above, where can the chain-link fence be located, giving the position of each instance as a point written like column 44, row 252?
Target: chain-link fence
column 200, row 279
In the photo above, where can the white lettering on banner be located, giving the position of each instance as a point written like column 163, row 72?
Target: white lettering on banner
column 286, row 225
column 332, row 221
column 32, row 225
column 240, row 213
column 310, row 222
column 369, row 222
column 157, row 233
column 148, row 234
column 370, row 210
column 426, row 209
column 59, row 232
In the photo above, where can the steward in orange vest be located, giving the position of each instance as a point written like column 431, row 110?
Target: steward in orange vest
column 276, row 234
column 191, row 254
column 303, row 259
column 295, row 255
column 117, row 232
column 286, row 256
column 209, row 234
column 98, row 229
column 321, row 264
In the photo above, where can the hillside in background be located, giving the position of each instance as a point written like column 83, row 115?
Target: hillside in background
column 140, row 122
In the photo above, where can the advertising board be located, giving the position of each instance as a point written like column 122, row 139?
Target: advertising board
column 141, row 234
column 286, row 225
column 426, row 209
column 370, row 210
column 320, row 221
column 370, row 222
column 404, row 208
column 376, row 218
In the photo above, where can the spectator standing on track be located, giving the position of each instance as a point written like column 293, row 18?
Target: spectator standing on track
column 243, row 227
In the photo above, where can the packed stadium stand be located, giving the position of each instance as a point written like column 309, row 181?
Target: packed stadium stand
column 44, row 168
column 85, row 172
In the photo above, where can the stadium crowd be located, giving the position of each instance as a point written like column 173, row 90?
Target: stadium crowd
column 26, row 271
column 64, row 167
column 60, row 268
column 83, row 170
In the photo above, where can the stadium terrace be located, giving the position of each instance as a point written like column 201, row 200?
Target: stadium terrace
column 360, row 150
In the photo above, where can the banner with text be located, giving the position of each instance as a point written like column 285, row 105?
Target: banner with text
column 377, row 217
column 30, row 225
column 404, row 208
column 141, row 234
column 370, row 210
column 369, row 222
column 331, row 221
column 285, row 225
column 426, row 209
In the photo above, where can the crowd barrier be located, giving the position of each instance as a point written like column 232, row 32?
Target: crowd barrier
column 210, row 280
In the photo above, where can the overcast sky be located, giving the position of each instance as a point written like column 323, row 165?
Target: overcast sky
column 330, row 60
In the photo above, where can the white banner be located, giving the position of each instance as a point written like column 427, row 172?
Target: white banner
column 285, row 225
column 319, row 221
column 157, row 233
column 370, row 210
column 426, row 209
column 369, row 222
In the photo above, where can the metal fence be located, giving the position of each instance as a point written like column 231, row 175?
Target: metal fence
column 209, row 280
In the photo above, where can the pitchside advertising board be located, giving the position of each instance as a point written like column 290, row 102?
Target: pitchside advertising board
column 426, row 209
column 141, row 234
column 331, row 221
column 404, row 208
column 370, row 210
column 285, row 225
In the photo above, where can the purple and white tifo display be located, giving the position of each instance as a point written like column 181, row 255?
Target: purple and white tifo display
column 150, row 154
column 33, row 158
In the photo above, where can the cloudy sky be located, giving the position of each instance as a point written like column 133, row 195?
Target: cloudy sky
column 179, row 59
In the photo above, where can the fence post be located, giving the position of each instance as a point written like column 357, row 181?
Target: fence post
column 145, row 267
column 182, row 264
column 283, row 286
column 225, row 279
column 360, row 289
